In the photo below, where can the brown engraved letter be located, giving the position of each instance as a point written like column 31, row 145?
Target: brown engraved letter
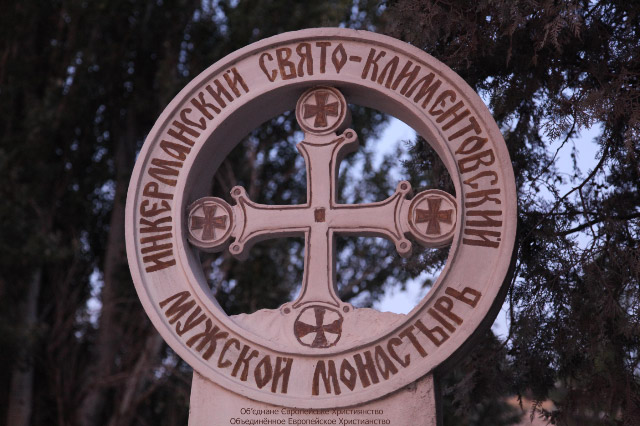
column 224, row 363
column 304, row 51
column 329, row 379
column 348, row 374
column 243, row 360
column 396, row 341
column 463, row 295
column 179, row 307
column 287, row 68
column 263, row 372
column 283, row 372
column 387, row 368
column 271, row 75
column 194, row 319
column 366, row 368
column 208, row 337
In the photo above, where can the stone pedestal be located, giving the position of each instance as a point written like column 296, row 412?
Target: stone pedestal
column 413, row 405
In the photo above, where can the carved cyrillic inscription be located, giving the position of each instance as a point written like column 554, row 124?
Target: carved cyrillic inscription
column 440, row 101
column 331, row 375
column 373, row 366
column 156, row 230
column 463, row 131
column 304, row 59
column 214, row 344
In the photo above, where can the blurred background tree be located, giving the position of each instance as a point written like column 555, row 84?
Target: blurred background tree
column 81, row 84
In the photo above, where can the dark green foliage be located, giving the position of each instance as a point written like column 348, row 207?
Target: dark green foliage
column 549, row 70
column 472, row 390
column 81, row 83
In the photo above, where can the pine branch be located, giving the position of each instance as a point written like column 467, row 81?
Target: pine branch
column 596, row 221
column 593, row 173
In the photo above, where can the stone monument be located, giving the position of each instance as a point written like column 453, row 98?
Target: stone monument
column 317, row 359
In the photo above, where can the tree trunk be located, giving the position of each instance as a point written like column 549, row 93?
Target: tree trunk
column 109, row 331
column 21, row 392
column 125, row 410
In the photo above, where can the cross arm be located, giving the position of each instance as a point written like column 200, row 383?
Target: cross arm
column 398, row 217
column 256, row 222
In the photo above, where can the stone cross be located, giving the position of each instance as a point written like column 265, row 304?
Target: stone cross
column 320, row 112
column 350, row 366
column 433, row 216
column 209, row 222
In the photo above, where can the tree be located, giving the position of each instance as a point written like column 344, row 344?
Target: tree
column 83, row 82
column 69, row 142
column 551, row 69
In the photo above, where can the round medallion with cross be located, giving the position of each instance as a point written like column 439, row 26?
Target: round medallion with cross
column 319, row 351
column 432, row 216
column 318, row 327
column 321, row 111
column 210, row 223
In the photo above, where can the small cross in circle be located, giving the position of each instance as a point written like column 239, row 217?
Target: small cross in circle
column 301, row 329
column 209, row 222
column 321, row 109
column 433, row 216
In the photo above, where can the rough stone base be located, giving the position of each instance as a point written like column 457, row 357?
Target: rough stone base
column 414, row 405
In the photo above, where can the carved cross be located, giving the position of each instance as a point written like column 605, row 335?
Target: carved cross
column 322, row 217
column 209, row 222
column 433, row 216
column 321, row 109
column 301, row 328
